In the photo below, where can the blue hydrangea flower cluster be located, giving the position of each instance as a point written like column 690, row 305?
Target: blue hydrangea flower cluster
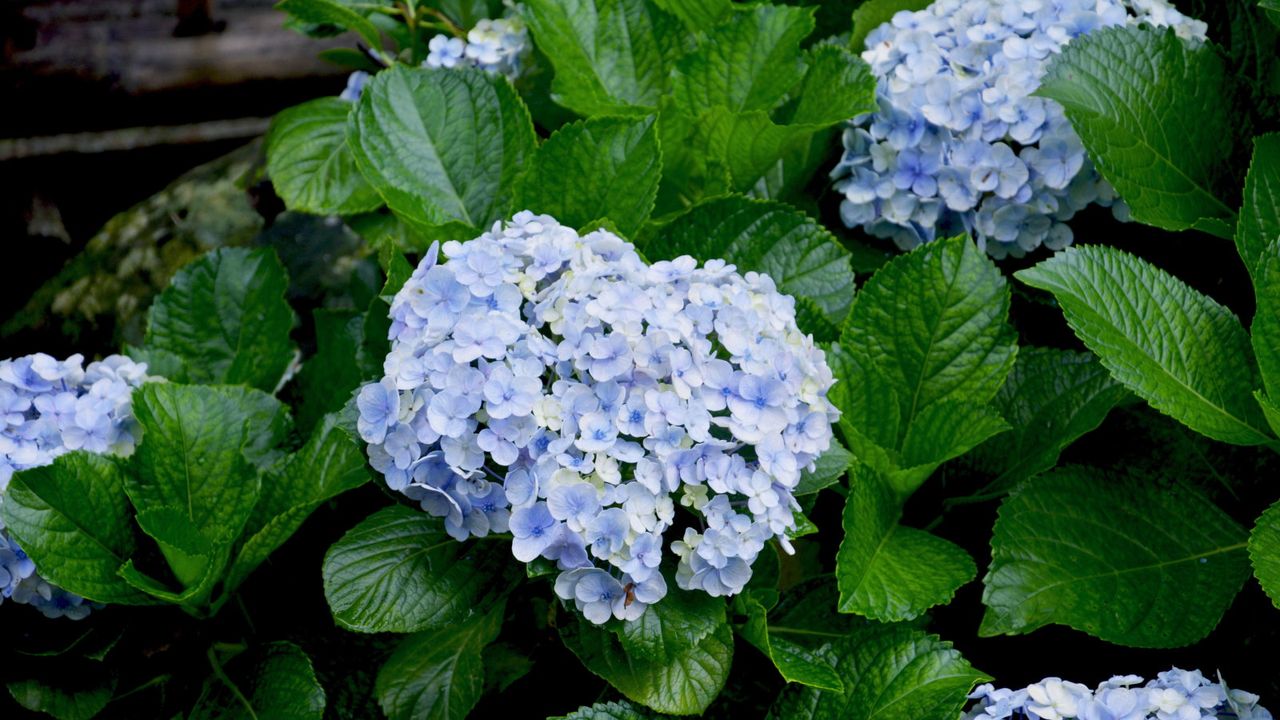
column 959, row 144
column 1173, row 695
column 557, row 387
column 497, row 46
column 49, row 407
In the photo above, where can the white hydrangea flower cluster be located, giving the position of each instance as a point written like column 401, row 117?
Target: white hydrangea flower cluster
column 959, row 143
column 1173, row 695
column 497, row 46
column 50, row 407
column 556, row 386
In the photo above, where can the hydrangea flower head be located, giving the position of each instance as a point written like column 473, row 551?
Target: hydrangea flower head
column 497, row 46
column 50, row 407
column 556, row 386
column 1173, row 695
column 959, row 143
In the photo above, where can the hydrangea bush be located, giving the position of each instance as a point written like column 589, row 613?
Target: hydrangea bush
column 557, row 386
column 52, row 407
column 1174, row 695
column 961, row 143
column 565, row 378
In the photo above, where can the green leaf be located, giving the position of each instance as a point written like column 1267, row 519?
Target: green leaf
column 1265, row 332
column 610, row 56
column 330, row 12
column 669, row 629
column 1259, row 225
column 1264, row 552
column 275, row 681
column 190, row 555
column 698, row 15
column 226, row 318
column 944, row 430
column 829, row 468
column 683, row 685
column 82, row 703
column 925, row 347
column 602, row 168
column 622, row 710
column 442, row 146
column 878, row 567
column 749, row 63
column 310, row 163
column 888, row 671
column 397, row 571
column 1154, row 117
column 874, row 13
column 190, row 457
column 1125, row 559
column 1179, row 350
column 1051, row 398
column 438, row 675
column 1270, row 410
column 73, row 518
column 795, row 662
column 330, row 464
column 798, row 253
column 838, row 86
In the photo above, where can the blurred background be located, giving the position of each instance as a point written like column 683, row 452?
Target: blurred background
column 103, row 104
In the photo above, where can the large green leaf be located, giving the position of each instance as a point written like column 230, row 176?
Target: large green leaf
column 669, row 629
column 73, row 518
column 1259, row 225
column 275, row 681
column 333, row 12
column 798, row 253
column 192, row 557
column 1185, row 354
column 925, row 348
column 838, row 86
column 190, row 457
column 84, row 702
column 1052, row 397
column 888, row 671
column 610, row 56
column 684, row 683
column 310, row 163
column 1258, row 240
column 1264, row 551
column 1126, row 559
column 1265, row 332
column 442, row 146
column 329, row 464
column 933, row 322
column 698, row 15
column 603, row 168
column 439, row 674
column 397, row 571
column 748, row 63
column 1155, row 118
column 879, row 565
column 225, row 318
